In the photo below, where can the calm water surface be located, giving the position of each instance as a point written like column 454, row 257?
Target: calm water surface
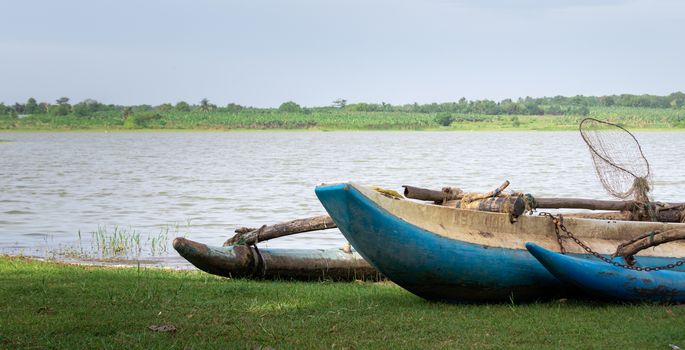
column 204, row 185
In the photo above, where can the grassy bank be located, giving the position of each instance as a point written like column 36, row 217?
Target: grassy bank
column 340, row 119
column 47, row 305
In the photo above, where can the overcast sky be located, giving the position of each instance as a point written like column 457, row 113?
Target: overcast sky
column 264, row 52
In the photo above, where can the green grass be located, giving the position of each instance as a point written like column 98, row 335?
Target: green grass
column 341, row 119
column 54, row 306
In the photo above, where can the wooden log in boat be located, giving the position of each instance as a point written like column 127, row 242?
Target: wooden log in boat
column 675, row 213
column 581, row 203
column 612, row 282
column 423, row 194
column 512, row 205
column 446, row 253
column 469, row 197
column 247, row 236
column 664, row 212
column 242, row 261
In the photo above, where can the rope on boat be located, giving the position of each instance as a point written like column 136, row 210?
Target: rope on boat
column 260, row 263
column 528, row 200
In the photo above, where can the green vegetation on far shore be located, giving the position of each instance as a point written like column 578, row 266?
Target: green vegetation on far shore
column 547, row 113
column 56, row 306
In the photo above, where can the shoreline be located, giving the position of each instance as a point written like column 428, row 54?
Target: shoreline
column 110, row 263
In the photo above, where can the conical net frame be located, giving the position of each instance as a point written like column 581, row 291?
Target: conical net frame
column 619, row 161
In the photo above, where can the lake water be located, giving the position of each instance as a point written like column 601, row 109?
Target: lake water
column 57, row 190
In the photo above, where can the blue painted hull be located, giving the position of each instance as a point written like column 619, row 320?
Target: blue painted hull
column 612, row 282
column 430, row 265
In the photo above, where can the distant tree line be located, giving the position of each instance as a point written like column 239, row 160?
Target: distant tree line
column 557, row 105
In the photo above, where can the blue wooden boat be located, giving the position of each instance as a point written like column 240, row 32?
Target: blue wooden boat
column 450, row 254
column 613, row 282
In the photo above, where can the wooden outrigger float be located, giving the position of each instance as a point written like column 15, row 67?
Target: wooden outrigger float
column 446, row 253
column 242, row 261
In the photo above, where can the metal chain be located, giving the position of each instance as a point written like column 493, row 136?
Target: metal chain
column 559, row 225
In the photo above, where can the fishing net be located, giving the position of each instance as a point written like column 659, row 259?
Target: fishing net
column 620, row 164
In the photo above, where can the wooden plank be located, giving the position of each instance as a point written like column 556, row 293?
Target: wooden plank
column 251, row 237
